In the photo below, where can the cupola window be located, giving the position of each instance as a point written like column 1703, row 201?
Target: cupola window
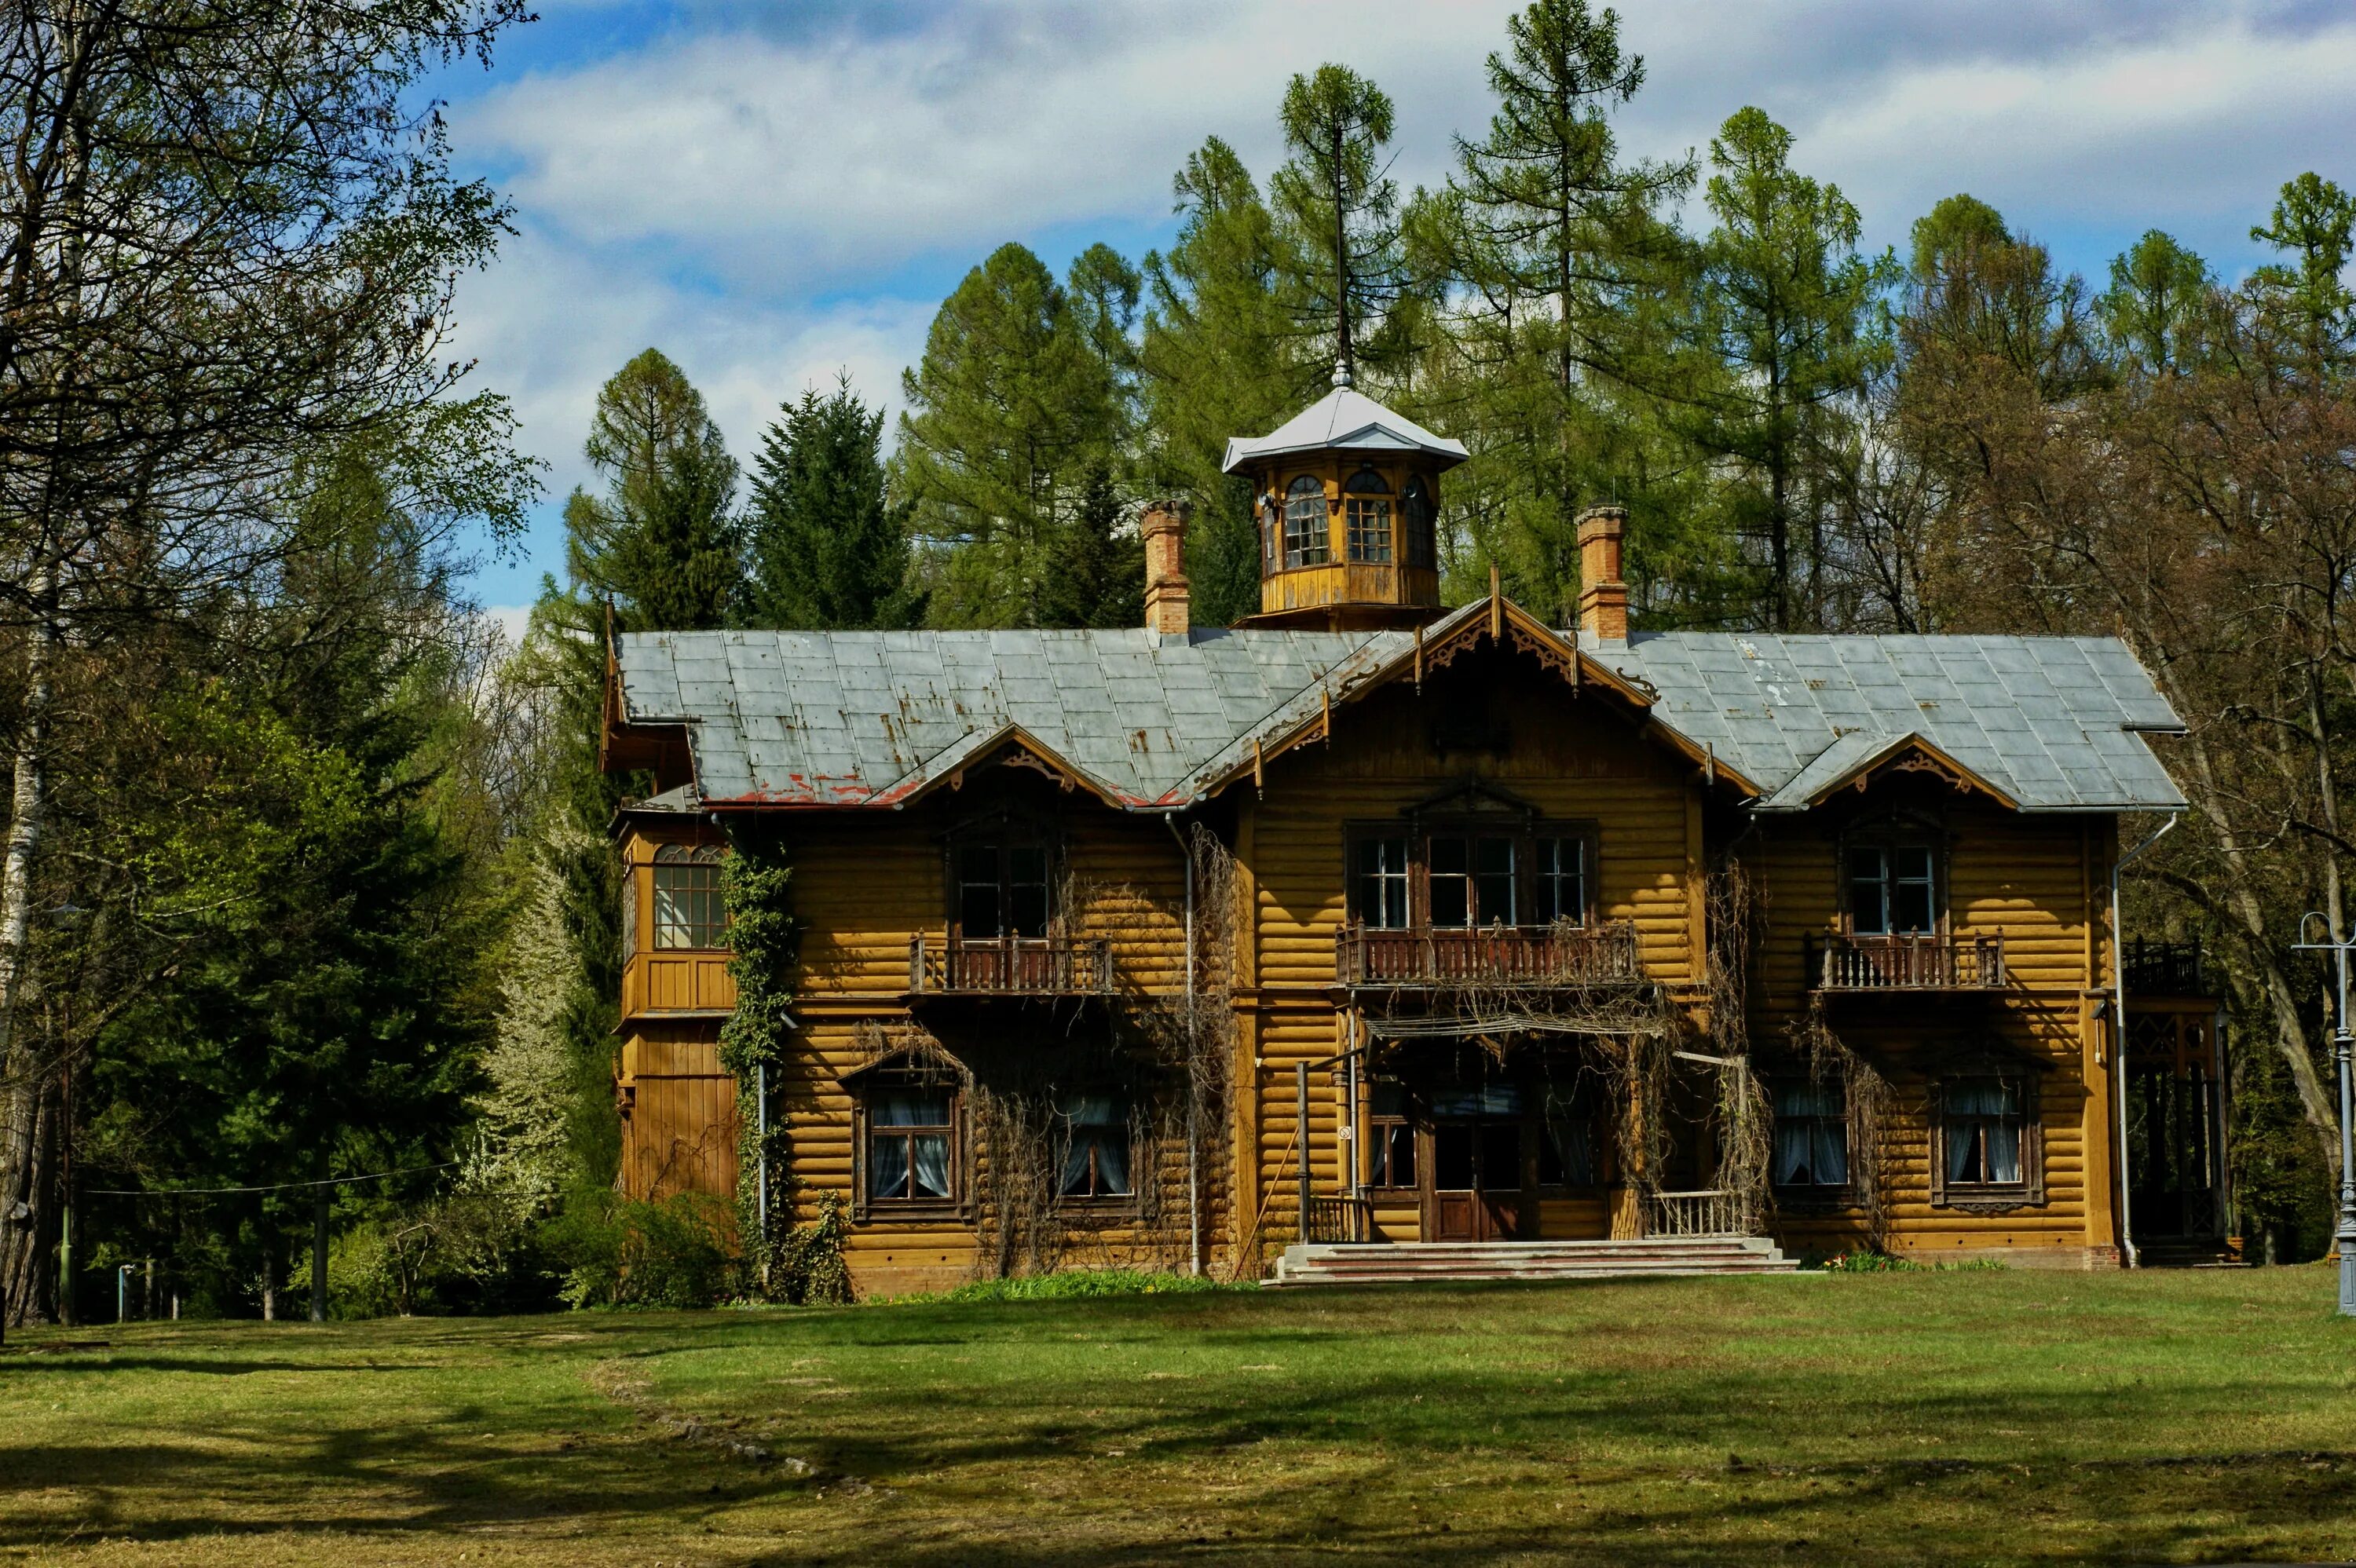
column 1306, row 542
column 1367, row 504
column 1420, row 516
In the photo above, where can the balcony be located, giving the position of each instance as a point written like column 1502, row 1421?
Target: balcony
column 1043, row 967
column 1906, row 963
column 677, row 983
column 2165, row 968
column 1528, row 957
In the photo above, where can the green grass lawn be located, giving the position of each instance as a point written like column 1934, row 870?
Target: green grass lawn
column 1895, row 1418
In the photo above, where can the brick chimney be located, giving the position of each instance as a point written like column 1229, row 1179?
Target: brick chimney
column 1164, row 528
column 1602, row 596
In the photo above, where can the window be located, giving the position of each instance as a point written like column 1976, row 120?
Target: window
column 1390, row 1135
column 1471, row 880
column 1420, row 516
column 911, row 1145
column 1891, row 891
column 1306, row 540
column 1810, row 1134
column 1561, row 881
column 1981, row 1122
column 1001, row 889
column 1095, row 1159
column 688, row 911
column 1367, row 508
column 1382, row 884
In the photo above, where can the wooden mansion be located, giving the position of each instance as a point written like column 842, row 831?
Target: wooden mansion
column 1369, row 936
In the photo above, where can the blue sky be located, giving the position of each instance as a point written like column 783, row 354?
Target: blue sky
column 770, row 192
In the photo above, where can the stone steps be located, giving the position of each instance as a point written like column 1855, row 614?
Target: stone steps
column 1406, row 1262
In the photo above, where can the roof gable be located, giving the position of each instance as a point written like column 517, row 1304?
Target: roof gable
column 1343, row 420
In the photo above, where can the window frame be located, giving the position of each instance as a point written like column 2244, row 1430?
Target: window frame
column 1005, row 834
column 863, row 1096
column 1990, row 1197
column 1841, row 1194
column 1125, row 1103
column 1369, row 518
column 1523, row 834
column 1887, row 837
column 704, row 860
column 1419, row 522
column 1298, row 555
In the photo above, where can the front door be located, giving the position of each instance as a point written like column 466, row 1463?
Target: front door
column 1475, row 1167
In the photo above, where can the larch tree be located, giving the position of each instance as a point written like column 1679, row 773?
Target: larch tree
column 1219, row 357
column 1340, row 208
column 1783, row 313
column 1014, row 409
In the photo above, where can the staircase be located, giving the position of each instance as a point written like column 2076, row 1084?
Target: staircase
column 1406, row 1262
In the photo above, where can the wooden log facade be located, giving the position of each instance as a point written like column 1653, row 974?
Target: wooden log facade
column 1447, row 887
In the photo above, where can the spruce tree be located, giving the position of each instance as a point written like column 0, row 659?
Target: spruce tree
column 829, row 550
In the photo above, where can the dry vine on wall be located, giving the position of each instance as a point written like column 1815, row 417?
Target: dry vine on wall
column 1871, row 1102
column 1746, row 1140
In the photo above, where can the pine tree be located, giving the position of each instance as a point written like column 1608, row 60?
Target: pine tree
column 1220, row 358
column 2314, row 225
column 1015, row 405
column 829, row 550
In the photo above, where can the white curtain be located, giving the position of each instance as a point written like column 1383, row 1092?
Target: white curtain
column 1977, row 1106
column 1811, row 1135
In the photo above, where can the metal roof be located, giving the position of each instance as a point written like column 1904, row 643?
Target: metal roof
column 869, row 717
column 2052, row 724
column 1343, row 421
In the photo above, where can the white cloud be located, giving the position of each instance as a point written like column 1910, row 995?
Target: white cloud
column 768, row 193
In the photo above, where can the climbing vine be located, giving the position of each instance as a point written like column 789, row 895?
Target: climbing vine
column 762, row 940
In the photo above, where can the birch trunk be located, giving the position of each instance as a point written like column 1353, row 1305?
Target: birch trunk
column 24, row 1073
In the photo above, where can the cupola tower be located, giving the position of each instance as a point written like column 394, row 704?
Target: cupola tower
column 1346, row 494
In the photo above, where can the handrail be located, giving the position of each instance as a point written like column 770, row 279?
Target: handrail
column 1425, row 957
column 1925, row 963
column 1049, row 966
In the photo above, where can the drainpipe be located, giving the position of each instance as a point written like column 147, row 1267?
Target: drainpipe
column 2127, row 1256
column 1193, row 1136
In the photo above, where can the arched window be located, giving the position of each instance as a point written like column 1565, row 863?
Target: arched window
column 1306, row 535
column 1368, row 504
column 1420, row 514
column 688, row 909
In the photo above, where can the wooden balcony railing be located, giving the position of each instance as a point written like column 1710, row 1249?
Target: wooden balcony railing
column 1716, row 1212
column 2165, row 968
column 1906, row 963
column 1422, row 958
column 1339, row 1220
column 1043, row 967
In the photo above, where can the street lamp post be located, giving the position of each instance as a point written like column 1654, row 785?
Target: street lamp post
column 2343, row 1046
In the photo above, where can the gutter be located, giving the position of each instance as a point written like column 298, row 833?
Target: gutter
column 2127, row 1255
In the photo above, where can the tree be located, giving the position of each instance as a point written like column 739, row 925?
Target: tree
column 2155, row 304
column 1555, row 248
column 660, row 544
column 829, row 550
column 1785, row 313
column 2314, row 223
column 1015, row 406
column 232, row 235
column 1219, row 358
column 1336, row 197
